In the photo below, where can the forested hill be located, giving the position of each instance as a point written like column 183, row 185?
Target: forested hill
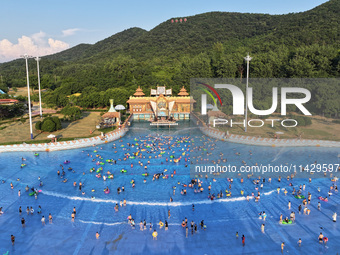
column 208, row 45
column 200, row 32
column 86, row 50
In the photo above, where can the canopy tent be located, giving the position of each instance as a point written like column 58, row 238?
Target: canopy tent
column 120, row 107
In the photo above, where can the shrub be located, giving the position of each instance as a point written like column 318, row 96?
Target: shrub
column 57, row 122
column 38, row 125
column 302, row 120
column 48, row 126
column 72, row 112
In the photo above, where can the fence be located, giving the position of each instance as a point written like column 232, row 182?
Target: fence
column 251, row 140
column 74, row 144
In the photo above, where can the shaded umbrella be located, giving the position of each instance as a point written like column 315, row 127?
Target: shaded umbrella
column 119, row 107
column 210, row 106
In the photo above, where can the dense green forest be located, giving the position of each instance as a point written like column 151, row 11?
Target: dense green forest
column 208, row 45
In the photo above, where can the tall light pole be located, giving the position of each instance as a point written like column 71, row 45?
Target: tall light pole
column 26, row 57
column 247, row 58
column 37, row 59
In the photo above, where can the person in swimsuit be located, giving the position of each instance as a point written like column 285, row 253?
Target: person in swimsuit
column 299, row 242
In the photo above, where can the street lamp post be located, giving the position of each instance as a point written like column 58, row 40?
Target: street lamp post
column 247, row 58
column 37, row 59
column 26, row 57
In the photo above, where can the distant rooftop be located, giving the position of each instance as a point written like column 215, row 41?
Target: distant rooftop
column 8, row 101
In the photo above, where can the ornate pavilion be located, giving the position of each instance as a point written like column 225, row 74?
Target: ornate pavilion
column 112, row 117
column 160, row 105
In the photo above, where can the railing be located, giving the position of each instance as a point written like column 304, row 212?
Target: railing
column 252, row 140
column 67, row 145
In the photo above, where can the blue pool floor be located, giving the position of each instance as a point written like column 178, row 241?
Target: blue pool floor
column 150, row 201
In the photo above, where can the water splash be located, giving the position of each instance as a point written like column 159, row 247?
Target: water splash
column 166, row 204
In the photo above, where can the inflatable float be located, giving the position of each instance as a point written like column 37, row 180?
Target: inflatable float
column 323, row 199
column 286, row 222
column 33, row 192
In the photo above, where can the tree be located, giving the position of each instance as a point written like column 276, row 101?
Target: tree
column 57, row 122
column 48, row 126
column 71, row 112
column 38, row 125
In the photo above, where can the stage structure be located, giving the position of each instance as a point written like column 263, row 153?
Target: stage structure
column 161, row 107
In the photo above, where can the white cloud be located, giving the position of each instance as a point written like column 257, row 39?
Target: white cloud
column 69, row 32
column 35, row 45
column 39, row 38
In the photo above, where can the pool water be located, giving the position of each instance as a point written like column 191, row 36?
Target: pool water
column 150, row 200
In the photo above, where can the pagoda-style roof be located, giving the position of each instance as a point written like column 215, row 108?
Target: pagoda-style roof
column 144, row 100
column 111, row 115
column 183, row 92
column 139, row 92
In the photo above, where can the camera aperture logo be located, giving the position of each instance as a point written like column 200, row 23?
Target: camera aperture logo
column 242, row 104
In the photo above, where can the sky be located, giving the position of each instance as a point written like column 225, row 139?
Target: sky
column 43, row 27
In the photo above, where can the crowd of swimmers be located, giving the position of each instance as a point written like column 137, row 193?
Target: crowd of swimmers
column 157, row 145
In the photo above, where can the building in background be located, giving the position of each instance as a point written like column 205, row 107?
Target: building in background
column 8, row 101
column 161, row 104
column 111, row 118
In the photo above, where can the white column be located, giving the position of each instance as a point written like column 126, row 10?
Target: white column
column 247, row 58
column 26, row 57
column 37, row 59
